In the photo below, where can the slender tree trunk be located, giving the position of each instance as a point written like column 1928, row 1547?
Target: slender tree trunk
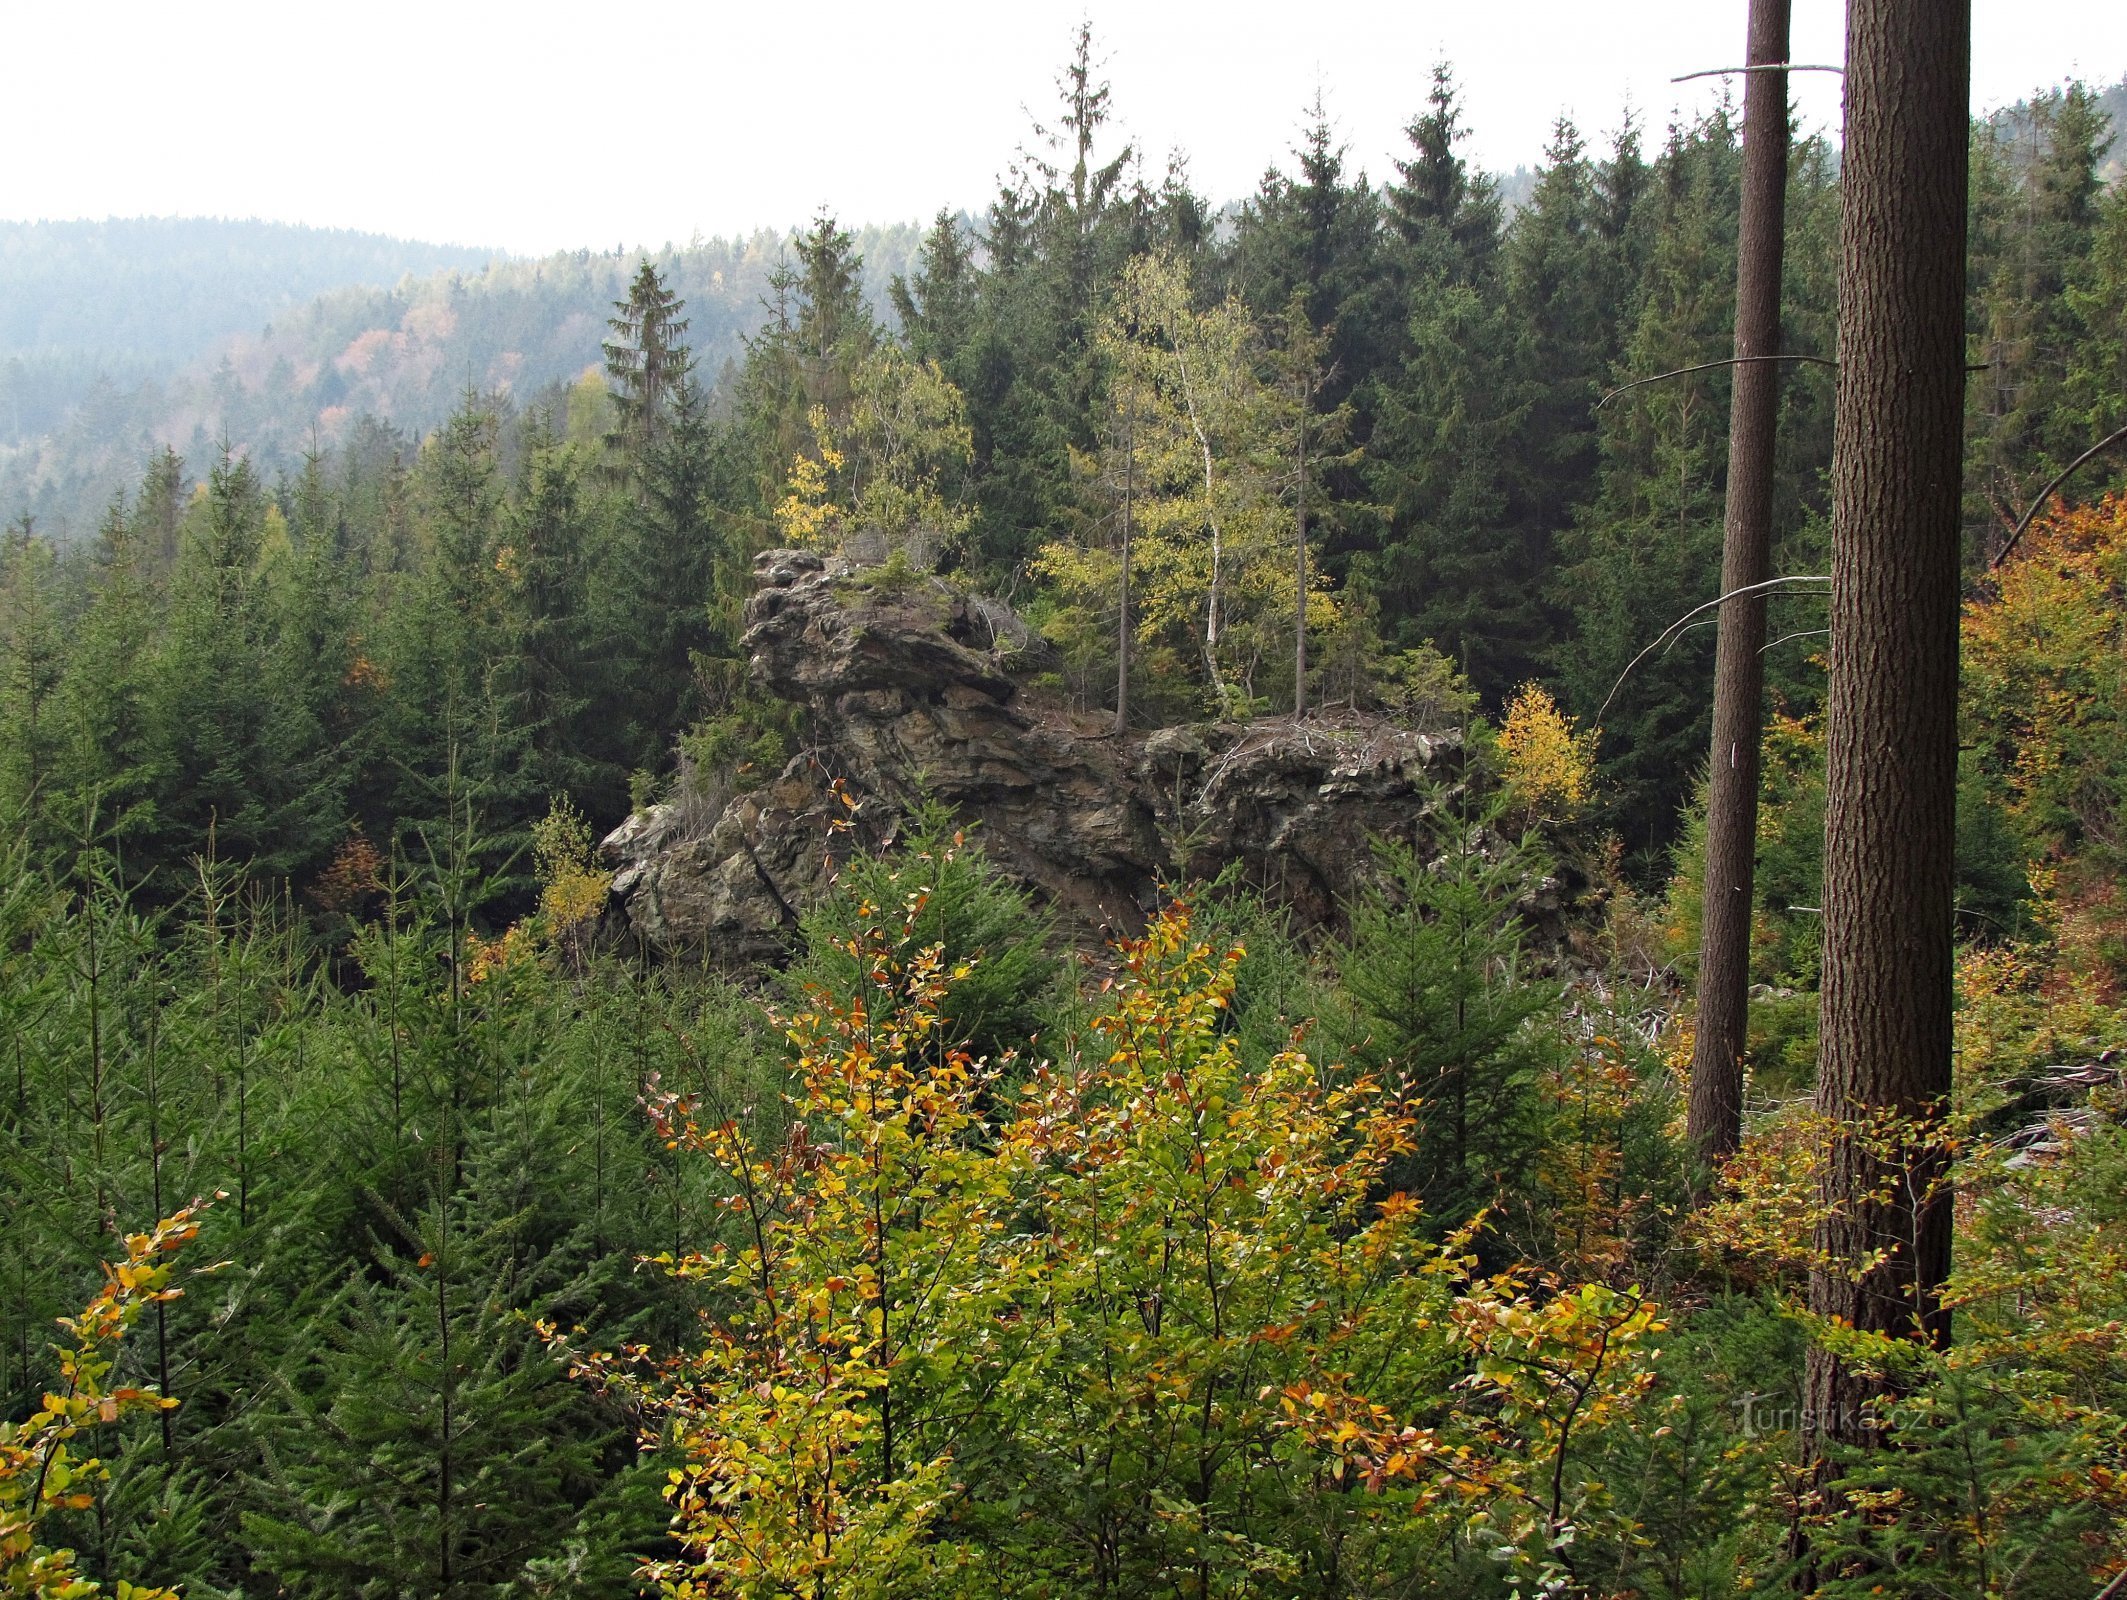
column 1716, row 1115
column 1122, row 628
column 1299, row 562
column 155, row 1154
column 106, row 1218
column 1214, row 600
column 446, row 1482
column 1892, row 753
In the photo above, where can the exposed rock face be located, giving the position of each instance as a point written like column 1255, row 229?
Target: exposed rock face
column 1299, row 804
column 905, row 697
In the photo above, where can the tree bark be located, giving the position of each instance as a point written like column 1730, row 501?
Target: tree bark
column 1892, row 741
column 1715, row 1121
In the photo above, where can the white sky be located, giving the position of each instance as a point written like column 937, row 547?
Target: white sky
column 536, row 125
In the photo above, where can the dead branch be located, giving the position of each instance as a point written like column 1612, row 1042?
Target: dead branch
column 1799, row 633
column 2046, row 493
column 1703, row 622
column 1735, row 361
column 1766, row 66
column 1662, row 638
column 1707, row 366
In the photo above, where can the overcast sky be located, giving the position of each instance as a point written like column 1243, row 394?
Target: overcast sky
column 537, row 125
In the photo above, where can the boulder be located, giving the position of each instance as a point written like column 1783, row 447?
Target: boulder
column 909, row 694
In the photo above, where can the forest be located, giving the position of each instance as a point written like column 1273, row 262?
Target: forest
column 122, row 336
column 388, row 1214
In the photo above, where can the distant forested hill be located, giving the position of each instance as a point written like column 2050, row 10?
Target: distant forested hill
column 137, row 297
column 166, row 288
column 273, row 372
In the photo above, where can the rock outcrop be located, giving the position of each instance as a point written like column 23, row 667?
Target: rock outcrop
column 908, row 694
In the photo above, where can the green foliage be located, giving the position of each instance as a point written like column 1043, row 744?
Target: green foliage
column 1284, row 996
column 416, row 1165
column 1108, row 1336
column 2042, row 293
column 42, row 1471
column 423, row 1439
column 301, row 769
column 1433, row 973
column 1787, row 922
column 952, row 898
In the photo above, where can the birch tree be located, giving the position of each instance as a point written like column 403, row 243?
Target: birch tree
column 1195, row 458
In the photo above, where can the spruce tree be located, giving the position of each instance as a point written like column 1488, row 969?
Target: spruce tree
column 938, row 306
column 453, row 710
column 248, row 771
column 2094, row 397
column 1444, row 217
column 459, row 487
column 1555, row 281
column 1433, row 970
column 32, row 661
column 108, row 768
column 1316, row 232
column 833, row 323
column 2046, row 181
column 647, row 362
column 1058, row 236
column 425, row 1443
column 550, row 643
column 161, row 508
column 1458, row 564
column 679, row 551
column 1456, row 568
column 1648, row 545
column 965, row 906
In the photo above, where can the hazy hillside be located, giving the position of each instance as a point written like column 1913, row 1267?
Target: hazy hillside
column 168, row 287
column 134, row 297
column 402, row 351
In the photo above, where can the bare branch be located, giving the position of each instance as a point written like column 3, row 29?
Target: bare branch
column 1802, row 633
column 2046, row 493
column 1663, row 637
column 1736, row 361
column 1707, row 366
column 1703, row 622
column 1767, row 66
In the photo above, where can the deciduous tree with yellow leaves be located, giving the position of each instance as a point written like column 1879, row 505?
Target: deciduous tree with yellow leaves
column 894, row 466
column 1154, row 1316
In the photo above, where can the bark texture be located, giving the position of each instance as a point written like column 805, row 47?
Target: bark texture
column 1716, row 1113
column 1892, row 737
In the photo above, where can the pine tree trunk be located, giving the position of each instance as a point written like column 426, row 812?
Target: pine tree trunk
column 1892, row 755
column 1716, row 1115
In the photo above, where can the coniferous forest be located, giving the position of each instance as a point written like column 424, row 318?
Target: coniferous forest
column 391, row 1212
